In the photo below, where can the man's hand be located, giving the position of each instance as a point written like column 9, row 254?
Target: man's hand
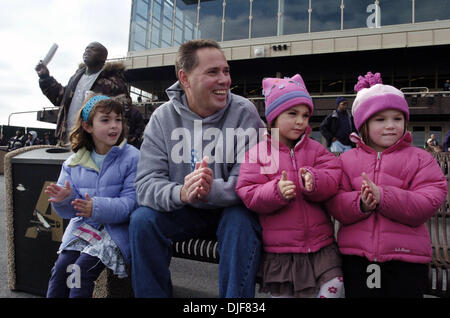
column 307, row 179
column 57, row 193
column 370, row 194
column 84, row 207
column 198, row 183
column 42, row 70
column 287, row 187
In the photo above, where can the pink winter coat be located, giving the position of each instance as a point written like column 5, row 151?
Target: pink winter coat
column 296, row 226
column 412, row 188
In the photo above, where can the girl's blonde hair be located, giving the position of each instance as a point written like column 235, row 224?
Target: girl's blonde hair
column 80, row 138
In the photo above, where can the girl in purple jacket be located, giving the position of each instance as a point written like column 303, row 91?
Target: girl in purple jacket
column 388, row 190
column 95, row 191
column 284, row 179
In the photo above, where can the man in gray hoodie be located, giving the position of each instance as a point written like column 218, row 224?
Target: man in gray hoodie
column 187, row 173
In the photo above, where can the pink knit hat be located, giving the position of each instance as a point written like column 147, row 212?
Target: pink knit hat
column 284, row 93
column 372, row 97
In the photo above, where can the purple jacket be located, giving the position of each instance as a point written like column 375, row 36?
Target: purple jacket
column 111, row 189
column 299, row 225
column 412, row 188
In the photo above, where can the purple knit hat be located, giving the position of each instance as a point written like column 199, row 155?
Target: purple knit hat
column 372, row 97
column 284, row 93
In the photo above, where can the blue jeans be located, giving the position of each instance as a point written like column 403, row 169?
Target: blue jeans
column 152, row 232
column 89, row 269
column 337, row 146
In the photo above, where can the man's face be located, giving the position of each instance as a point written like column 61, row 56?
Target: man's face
column 343, row 106
column 94, row 54
column 207, row 85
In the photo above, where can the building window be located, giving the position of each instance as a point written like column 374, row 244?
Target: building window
column 294, row 16
column 162, row 24
column 264, row 18
column 395, row 12
column 236, row 20
column 185, row 21
column 142, row 8
column 432, row 10
column 325, row 15
column 211, row 13
column 156, row 23
column 140, row 25
column 418, row 134
column 357, row 13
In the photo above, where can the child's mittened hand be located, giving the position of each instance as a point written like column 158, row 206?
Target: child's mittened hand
column 58, row 193
column 84, row 207
column 287, row 187
column 307, row 179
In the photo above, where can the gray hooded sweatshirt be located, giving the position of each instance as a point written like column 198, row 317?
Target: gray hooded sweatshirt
column 176, row 138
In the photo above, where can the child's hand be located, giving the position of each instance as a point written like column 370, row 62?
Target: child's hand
column 198, row 183
column 370, row 194
column 84, row 207
column 287, row 187
column 307, row 179
column 58, row 193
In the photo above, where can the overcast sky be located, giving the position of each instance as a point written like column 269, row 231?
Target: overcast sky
column 28, row 28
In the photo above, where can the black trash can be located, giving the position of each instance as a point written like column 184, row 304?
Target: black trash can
column 37, row 228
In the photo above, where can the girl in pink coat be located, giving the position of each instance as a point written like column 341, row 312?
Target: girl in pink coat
column 388, row 190
column 284, row 179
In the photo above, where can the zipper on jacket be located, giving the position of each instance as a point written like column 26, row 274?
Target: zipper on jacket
column 377, row 169
column 305, row 220
column 293, row 159
column 377, row 164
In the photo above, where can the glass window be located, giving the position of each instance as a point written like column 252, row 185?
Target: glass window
column 326, row 15
column 294, row 16
column 178, row 36
column 167, row 34
column 168, row 10
column 395, row 12
column 157, row 10
column 432, row 10
column 141, row 21
column 142, row 8
column 211, row 13
column 265, row 18
column 358, row 13
column 236, row 20
column 316, row 134
column 186, row 18
column 140, row 35
column 418, row 133
column 162, row 34
column 167, row 22
column 156, row 37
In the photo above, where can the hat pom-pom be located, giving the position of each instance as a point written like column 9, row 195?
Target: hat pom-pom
column 368, row 80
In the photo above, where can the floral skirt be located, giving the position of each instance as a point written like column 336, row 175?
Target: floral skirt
column 106, row 250
column 298, row 274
